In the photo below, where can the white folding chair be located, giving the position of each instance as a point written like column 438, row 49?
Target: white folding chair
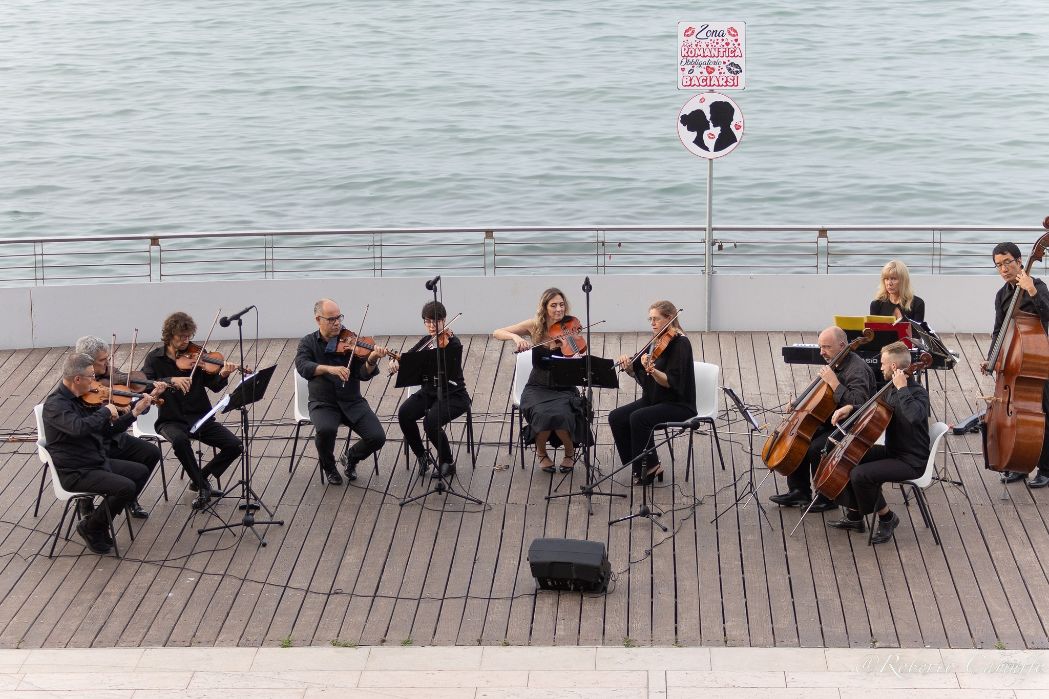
column 469, row 433
column 937, row 432
column 145, row 427
column 707, row 393
column 522, row 370
column 301, row 411
column 67, row 496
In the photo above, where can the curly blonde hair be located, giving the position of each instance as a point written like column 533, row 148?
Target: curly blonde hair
column 539, row 327
column 896, row 268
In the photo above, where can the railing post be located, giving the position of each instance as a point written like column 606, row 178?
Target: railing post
column 154, row 242
column 488, row 235
column 822, row 235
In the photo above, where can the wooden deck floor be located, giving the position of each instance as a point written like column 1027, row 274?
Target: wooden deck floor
column 352, row 567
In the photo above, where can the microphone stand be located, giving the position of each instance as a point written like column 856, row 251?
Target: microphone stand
column 643, row 509
column 588, row 488
column 439, row 484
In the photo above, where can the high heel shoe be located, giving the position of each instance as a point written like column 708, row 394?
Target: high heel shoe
column 652, row 474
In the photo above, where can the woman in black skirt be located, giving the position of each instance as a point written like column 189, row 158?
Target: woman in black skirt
column 668, row 392
column 555, row 415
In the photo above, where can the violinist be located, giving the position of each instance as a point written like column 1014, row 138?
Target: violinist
column 1035, row 299
column 423, row 403
column 186, row 402
column 121, row 445
column 335, row 392
column 901, row 458
column 852, row 384
column 76, row 436
column 554, row 415
column 894, row 296
column 668, row 391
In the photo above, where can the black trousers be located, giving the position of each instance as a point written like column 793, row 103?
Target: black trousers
column 120, row 482
column 863, row 491
column 210, row 433
column 801, row 478
column 358, row 416
column 423, row 404
column 128, row 447
column 632, row 428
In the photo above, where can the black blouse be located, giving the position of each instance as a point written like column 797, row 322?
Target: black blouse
column 888, row 308
column 676, row 362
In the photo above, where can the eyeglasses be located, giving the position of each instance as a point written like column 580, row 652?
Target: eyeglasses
column 1003, row 264
column 655, row 320
column 182, row 336
column 333, row 319
column 88, row 377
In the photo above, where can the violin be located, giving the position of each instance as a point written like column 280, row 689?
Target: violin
column 1014, row 424
column 349, row 341
column 861, row 432
column 99, row 392
column 209, row 362
column 658, row 344
column 567, row 334
column 786, row 447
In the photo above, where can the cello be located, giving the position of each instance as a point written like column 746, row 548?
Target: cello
column 860, row 431
column 1014, row 425
column 785, row 448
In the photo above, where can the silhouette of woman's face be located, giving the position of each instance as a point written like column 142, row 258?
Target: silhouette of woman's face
column 695, row 121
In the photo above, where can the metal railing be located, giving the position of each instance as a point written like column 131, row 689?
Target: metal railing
column 500, row 251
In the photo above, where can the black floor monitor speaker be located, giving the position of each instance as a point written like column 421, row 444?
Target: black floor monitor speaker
column 569, row 564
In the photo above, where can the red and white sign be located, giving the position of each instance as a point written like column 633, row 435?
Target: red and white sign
column 710, row 125
column 711, row 55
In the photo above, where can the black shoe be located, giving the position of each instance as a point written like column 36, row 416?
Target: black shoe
column 851, row 525
column 1039, row 481
column 422, row 463
column 1012, row 477
column 333, row 477
column 795, row 498
column 444, row 471
column 136, row 510
column 94, row 540
column 822, row 504
column 885, row 529
column 84, row 507
column 201, row 501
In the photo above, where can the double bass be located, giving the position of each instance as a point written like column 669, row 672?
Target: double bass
column 860, row 432
column 786, row 447
column 1014, row 424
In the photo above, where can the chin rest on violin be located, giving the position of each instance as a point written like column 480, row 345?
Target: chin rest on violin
column 349, row 341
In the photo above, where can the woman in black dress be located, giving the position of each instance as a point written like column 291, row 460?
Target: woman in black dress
column 668, row 393
column 555, row 415
column 895, row 297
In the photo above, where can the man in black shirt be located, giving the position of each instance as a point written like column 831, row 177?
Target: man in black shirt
column 904, row 455
column 852, row 384
column 423, row 403
column 122, row 445
column 186, row 402
column 335, row 393
column 1034, row 298
column 76, row 437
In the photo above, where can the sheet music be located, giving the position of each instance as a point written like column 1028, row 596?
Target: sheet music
column 211, row 413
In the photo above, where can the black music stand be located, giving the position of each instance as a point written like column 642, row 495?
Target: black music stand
column 572, row 372
column 415, row 367
column 750, row 490
column 251, row 389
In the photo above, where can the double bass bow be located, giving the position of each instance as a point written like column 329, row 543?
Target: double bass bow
column 1014, row 425
column 785, row 448
column 861, row 430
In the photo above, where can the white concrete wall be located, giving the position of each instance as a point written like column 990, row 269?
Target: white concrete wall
column 57, row 315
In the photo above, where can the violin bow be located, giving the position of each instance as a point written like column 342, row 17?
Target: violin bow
column 429, row 345
column 555, row 339
column 112, row 357
column 131, row 357
column 655, row 337
column 353, row 348
column 203, row 347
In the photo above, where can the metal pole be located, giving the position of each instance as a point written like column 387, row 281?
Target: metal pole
column 709, row 246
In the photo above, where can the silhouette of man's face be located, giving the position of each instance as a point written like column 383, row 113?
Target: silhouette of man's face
column 721, row 114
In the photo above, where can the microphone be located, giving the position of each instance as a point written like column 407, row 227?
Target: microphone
column 587, row 288
column 432, row 283
column 691, row 424
column 227, row 320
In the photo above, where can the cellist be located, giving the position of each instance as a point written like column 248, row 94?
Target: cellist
column 901, row 458
column 1035, row 300
column 852, row 384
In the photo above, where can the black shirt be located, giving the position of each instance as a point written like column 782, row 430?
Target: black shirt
column 857, row 383
column 325, row 388
column 184, row 408
column 76, row 434
column 886, row 307
column 1037, row 304
column 907, row 436
column 453, row 372
column 676, row 362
